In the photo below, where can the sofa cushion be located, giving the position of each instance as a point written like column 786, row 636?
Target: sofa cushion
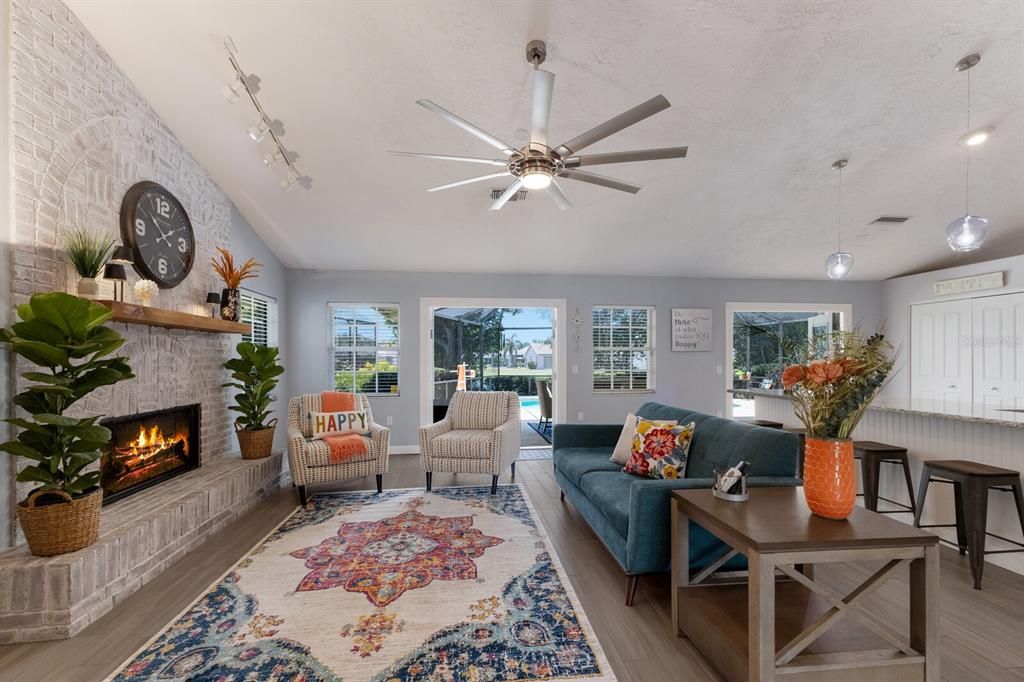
column 479, row 409
column 464, row 444
column 573, row 463
column 609, row 492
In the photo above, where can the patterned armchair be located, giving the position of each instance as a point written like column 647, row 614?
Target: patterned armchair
column 310, row 460
column 479, row 435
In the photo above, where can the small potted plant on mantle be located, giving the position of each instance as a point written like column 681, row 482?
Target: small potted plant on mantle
column 230, row 299
column 255, row 373
column 64, row 335
column 840, row 376
column 88, row 253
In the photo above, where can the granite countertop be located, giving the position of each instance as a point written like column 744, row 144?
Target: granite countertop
column 971, row 412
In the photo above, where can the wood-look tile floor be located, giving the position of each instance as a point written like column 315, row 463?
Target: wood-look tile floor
column 982, row 631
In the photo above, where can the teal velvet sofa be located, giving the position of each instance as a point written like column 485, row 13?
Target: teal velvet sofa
column 630, row 514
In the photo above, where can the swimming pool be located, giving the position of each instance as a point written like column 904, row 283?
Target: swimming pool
column 529, row 401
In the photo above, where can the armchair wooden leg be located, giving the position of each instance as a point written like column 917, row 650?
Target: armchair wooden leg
column 631, row 584
column 561, row 495
column 380, row 483
column 494, row 485
column 430, row 476
column 303, row 500
column 513, row 471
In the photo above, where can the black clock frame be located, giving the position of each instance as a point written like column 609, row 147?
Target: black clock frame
column 128, row 205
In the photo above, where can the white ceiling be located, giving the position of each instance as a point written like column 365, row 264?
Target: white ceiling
column 766, row 95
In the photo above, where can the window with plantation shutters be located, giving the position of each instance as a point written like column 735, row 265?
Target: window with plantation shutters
column 623, row 348
column 260, row 312
column 364, row 348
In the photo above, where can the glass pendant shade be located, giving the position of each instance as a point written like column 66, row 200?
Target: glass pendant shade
column 838, row 265
column 966, row 233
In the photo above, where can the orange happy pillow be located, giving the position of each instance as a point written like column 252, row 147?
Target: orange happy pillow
column 325, row 424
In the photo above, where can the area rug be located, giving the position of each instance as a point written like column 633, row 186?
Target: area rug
column 450, row 586
column 527, row 454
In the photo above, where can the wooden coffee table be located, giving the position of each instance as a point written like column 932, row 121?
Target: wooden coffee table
column 736, row 624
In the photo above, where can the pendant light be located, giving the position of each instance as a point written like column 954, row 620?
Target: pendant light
column 968, row 232
column 839, row 264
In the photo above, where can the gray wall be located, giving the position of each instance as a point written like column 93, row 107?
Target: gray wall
column 685, row 379
column 271, row 282
column 900, row 293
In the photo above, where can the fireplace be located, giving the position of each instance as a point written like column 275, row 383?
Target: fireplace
column 148, row 448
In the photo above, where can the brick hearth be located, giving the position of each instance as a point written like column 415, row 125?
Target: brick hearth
column 55, row 597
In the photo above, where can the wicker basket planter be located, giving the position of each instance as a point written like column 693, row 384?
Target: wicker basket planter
column 256, row 444
column 63, row 527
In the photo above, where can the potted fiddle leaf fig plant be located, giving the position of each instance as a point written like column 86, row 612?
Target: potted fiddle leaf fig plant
column 64, row 336
column 255, row 372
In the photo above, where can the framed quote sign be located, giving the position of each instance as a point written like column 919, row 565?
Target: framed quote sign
column 691, row 329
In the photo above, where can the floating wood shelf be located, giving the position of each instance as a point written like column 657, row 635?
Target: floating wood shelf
column 172, row 319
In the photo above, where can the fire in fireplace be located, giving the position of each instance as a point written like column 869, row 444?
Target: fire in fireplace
column 148, row 448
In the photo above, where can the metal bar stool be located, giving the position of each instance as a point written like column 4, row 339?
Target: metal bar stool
column 872, row 455
column 971, row 483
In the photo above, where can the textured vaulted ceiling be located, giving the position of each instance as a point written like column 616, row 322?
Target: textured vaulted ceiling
column 766, row 94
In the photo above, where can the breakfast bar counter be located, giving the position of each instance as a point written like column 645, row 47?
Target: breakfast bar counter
column 987, row 435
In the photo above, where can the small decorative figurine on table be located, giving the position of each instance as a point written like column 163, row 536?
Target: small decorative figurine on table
column 145, row 291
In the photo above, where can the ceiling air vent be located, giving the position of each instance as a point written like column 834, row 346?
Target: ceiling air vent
column 518, row 196
column 890, row 219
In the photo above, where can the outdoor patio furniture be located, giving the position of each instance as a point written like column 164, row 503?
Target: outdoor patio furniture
column 544, row 396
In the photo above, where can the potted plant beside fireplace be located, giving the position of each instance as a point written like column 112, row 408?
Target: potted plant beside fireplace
column 255, row 372
column 64, row 336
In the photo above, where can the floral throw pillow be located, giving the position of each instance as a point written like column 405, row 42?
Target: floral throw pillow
column 660, row 451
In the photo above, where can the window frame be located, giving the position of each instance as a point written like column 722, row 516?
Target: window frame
column 354, row 348
column 649, row 349
column 272, row 316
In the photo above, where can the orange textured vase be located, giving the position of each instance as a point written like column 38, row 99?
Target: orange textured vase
column 830, row 482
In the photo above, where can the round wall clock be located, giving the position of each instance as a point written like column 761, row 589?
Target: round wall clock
column 157, row 229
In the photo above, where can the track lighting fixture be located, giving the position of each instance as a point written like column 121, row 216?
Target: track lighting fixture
column 266, row 127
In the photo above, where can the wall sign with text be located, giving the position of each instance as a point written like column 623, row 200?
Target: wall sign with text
column 691, row 329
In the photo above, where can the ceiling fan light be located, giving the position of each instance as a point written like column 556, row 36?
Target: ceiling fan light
column 838, row 265
column 536, row 179
column 967, row 233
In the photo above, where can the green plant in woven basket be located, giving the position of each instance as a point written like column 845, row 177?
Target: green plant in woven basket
column 88, row 251
column 255, row 373
column 64, row 336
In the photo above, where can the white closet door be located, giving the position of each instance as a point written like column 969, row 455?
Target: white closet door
column 940, row 356
column 998, row 340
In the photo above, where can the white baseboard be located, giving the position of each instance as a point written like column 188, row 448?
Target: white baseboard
column 404, row 449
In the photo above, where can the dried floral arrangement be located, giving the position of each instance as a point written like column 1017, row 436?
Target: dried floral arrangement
column 838, row 376
column 233, row 276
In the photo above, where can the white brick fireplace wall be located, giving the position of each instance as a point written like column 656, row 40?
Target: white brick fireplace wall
column 81, row 135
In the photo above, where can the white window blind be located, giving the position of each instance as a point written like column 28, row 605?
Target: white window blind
column 364, row 348
column 260, row 312
column 623, row 348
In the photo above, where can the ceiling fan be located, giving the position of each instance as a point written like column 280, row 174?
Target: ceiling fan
column 538, row 165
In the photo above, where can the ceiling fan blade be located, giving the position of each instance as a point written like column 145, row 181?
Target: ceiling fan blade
column 471, row 180
column 558, row 195
column 595, row 179
column 443, row 157
column 509, row 193
column 614, row 125
column 467, row 126
column 625, row 157
column 543, row 86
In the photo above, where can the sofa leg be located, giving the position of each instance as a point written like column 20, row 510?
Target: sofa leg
column 303, row 500
column 631, row 584
column 380, row 483
column 513, row 471
column 561, row 495
column 494, row 485
column 430, row 476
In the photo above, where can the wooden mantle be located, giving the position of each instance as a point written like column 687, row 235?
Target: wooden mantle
column 172, row 319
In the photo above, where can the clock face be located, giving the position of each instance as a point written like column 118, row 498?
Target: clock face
column 154, row 224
